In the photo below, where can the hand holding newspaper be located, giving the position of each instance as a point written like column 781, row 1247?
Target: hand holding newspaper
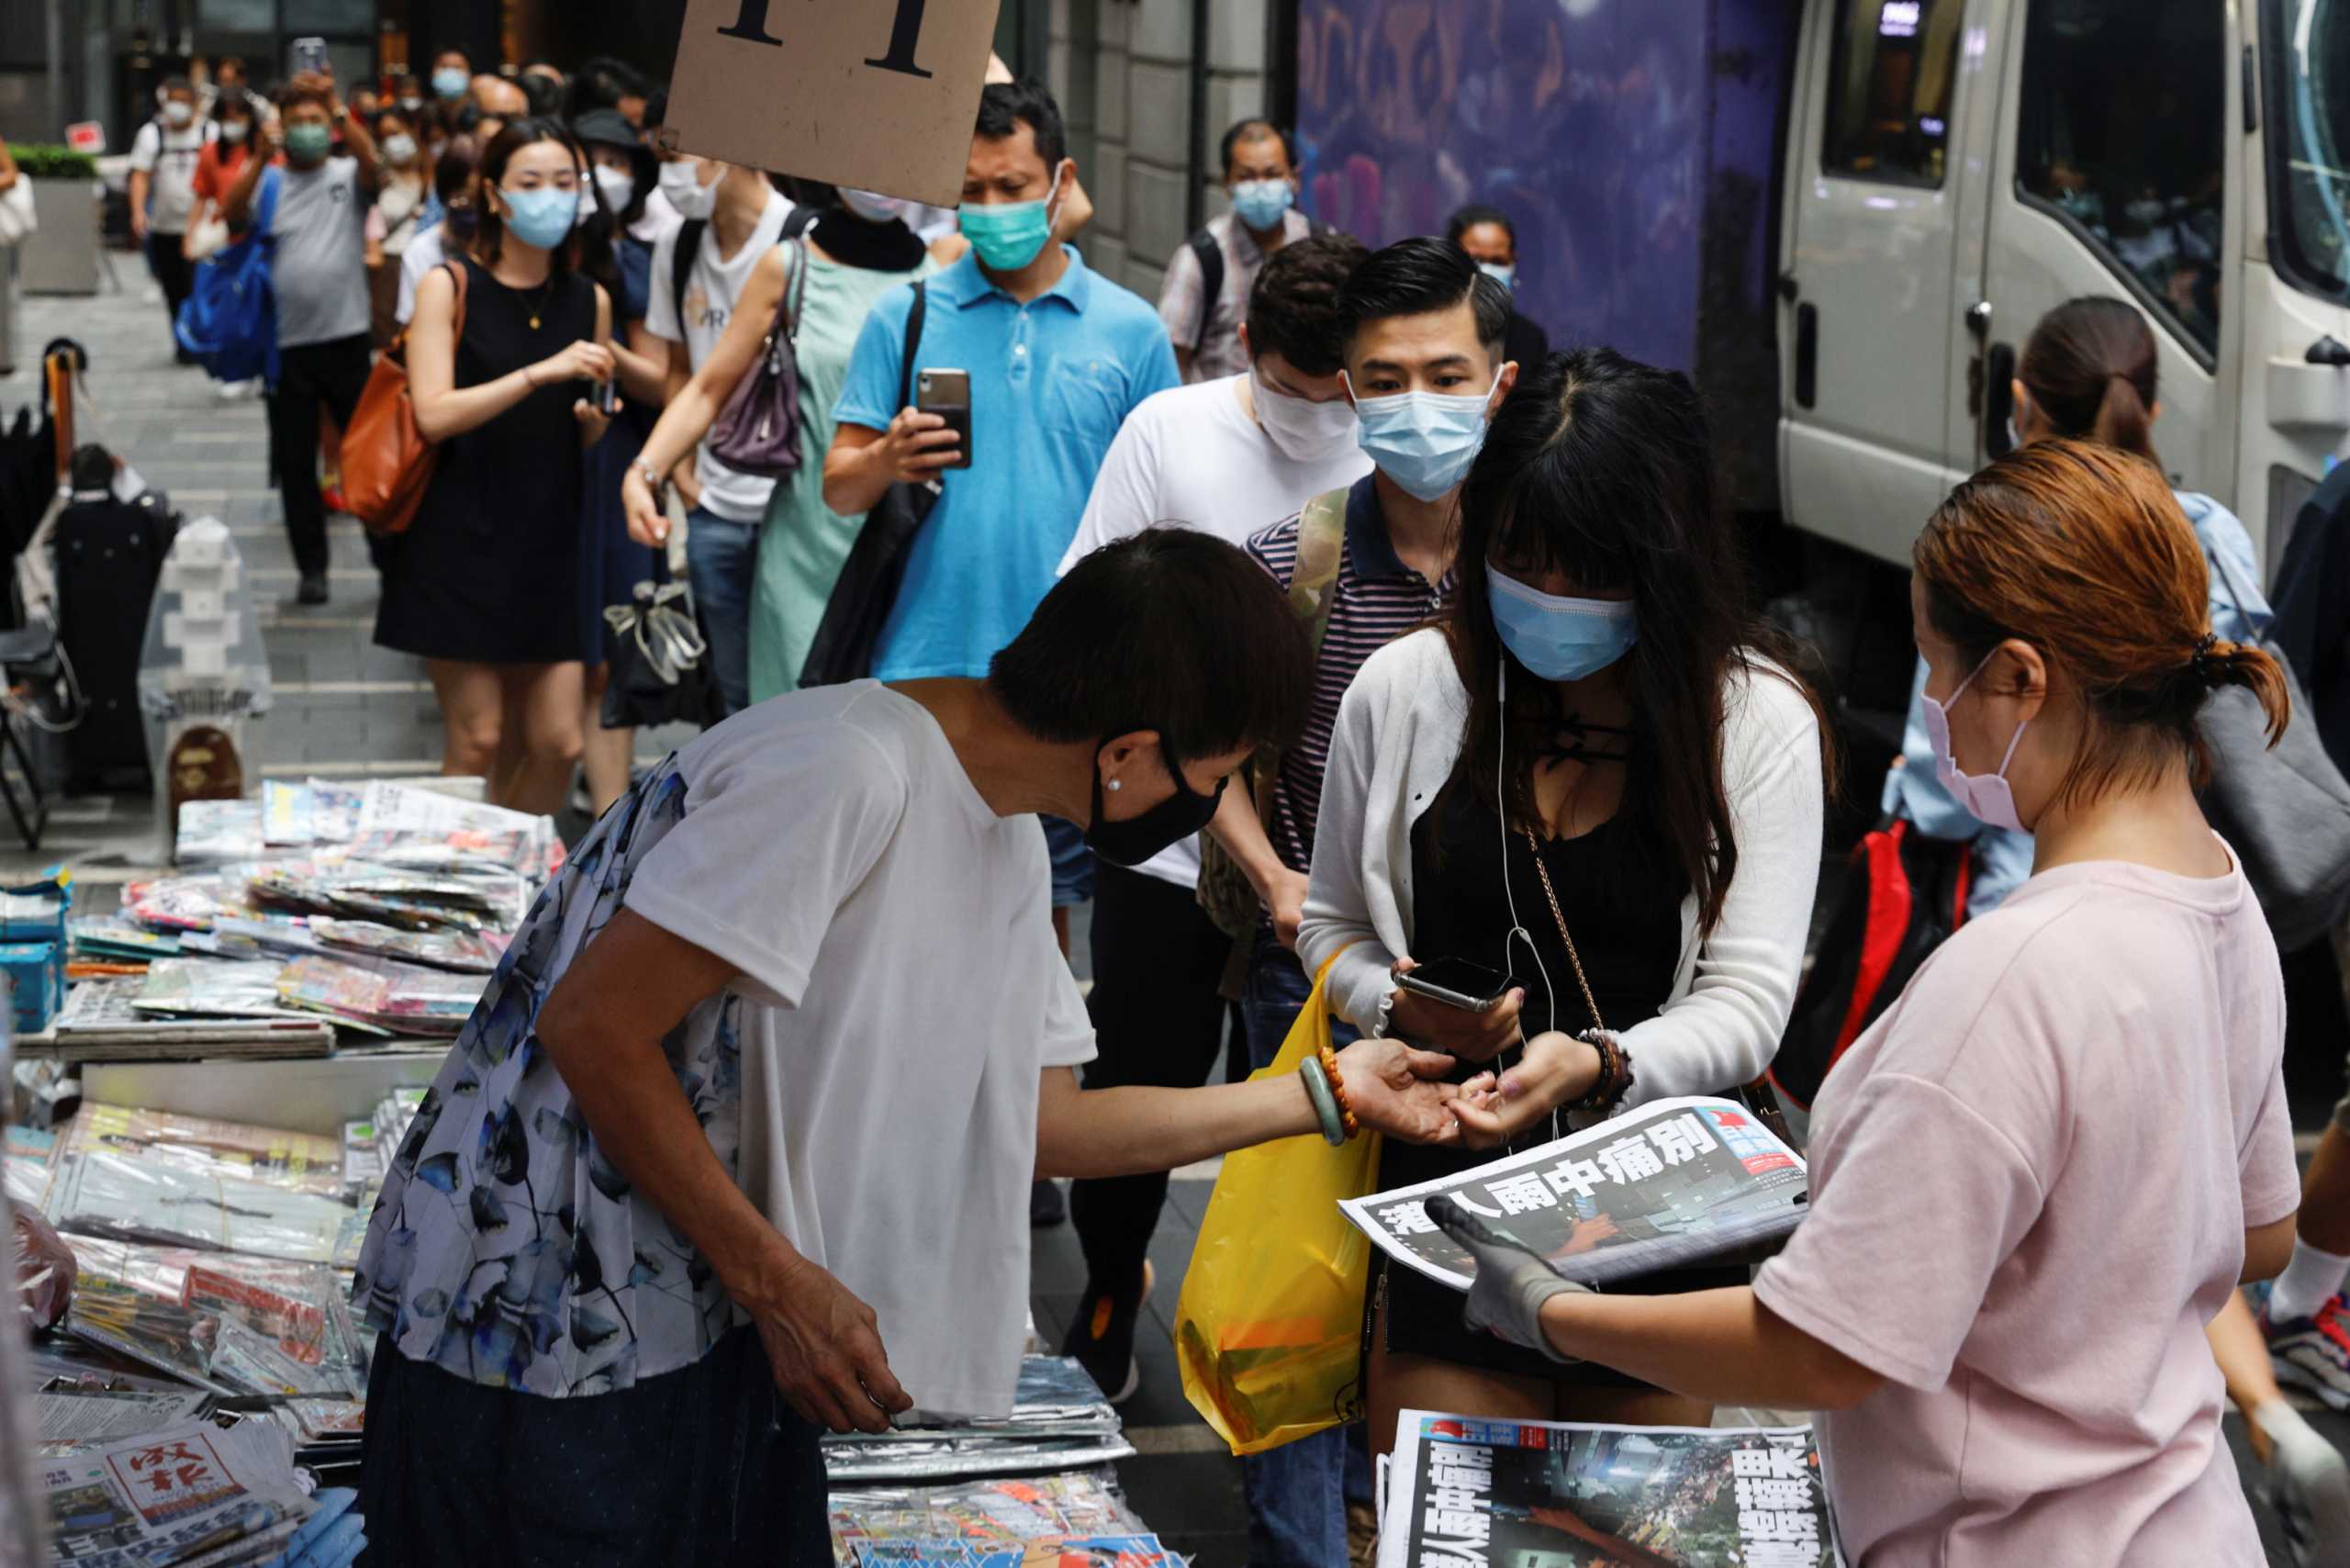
column 1671, row 1183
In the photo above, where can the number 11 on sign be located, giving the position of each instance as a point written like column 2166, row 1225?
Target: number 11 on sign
column 751, row 26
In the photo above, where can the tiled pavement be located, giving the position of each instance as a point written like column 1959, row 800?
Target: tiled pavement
column 346, row 708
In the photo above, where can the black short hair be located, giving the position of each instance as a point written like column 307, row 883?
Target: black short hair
column 1004, row 105
column 1173, row 630
column 1294, row 308
column 1477, row 212
column 656, row 108
column 602, row 82
column 544, row 96
column 1253, row 129
column 1418, row 276
column 177, row 85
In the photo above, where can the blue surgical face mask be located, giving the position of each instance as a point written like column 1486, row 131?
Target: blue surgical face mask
column 542, row 217
column 1505, row 276
column 1260, row 204
column 1009, row 235
column 449, row 82
column 1423, row 441
column 1557, row 638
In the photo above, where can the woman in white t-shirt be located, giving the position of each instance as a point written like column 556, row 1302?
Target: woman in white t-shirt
column 2047, row 1167
column 762, row 1084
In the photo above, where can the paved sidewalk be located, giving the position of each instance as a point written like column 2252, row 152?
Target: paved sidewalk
column 346, row 708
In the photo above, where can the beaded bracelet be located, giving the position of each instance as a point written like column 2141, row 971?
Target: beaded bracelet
column 1325, row 1103
column 1338, row 1088
column 1615, row 1072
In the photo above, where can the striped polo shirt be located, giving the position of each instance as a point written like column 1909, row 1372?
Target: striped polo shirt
column 1378, row 599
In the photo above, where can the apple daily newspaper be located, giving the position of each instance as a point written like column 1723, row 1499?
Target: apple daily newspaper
column 1674, row 1183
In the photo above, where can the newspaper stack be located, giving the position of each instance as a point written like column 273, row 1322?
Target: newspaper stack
column 102, row 1021
column 188, row 1494
column 980, row 1516
column 1672, row 1184
column 1060, row 1421
column 1464, row 1489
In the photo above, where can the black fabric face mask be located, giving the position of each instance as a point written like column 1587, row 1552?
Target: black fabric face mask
column 1166, row 825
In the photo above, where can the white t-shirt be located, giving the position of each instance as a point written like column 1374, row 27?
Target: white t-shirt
column 426, row 251
column 1192, row 455
column 169, row 158
column 712, row 290
column 901, row 992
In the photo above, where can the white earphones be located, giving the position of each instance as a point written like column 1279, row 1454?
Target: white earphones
column 1517, row 932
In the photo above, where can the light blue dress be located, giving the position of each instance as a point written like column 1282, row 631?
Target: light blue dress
column 2240, row 613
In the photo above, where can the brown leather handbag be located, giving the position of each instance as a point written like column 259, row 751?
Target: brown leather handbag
column 386, row 462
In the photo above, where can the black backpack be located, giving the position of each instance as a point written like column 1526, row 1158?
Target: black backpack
column 1211, row 259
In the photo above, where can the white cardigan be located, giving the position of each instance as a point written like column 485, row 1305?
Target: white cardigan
column 1398, row 735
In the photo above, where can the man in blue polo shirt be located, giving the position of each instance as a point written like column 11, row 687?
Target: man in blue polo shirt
column 1058, row 356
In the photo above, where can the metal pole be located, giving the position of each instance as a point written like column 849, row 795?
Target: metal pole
column 1195, row 194
column 53, row 20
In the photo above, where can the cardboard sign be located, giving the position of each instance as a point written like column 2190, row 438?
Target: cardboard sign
column 89, row 136
column 876, row 95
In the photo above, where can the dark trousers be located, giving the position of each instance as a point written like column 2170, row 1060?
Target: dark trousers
column 175, row 275
column 701, row 1466
column 1157, row 1021
column 333, row 374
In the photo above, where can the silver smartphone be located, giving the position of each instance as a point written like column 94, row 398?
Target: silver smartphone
column 308, row 54
column 948, row 394
column 1457, row 983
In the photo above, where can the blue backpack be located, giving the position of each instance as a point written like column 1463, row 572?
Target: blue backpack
column 230, row 321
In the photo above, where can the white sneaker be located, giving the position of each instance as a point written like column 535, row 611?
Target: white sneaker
column 2308, row 1486
column 231, row 391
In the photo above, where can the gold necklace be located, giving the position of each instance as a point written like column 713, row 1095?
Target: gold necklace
column 539, row 304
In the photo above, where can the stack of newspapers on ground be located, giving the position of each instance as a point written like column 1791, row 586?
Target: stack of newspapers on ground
column 1033, row 1487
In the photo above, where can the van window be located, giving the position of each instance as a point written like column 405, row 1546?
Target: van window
column 2124, row 134
column 1889, row 81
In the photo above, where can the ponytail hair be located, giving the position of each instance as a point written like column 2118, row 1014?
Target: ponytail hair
column 2081, row 551
column 2089, row 367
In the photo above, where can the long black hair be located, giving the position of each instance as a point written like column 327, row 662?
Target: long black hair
column 1602, row 469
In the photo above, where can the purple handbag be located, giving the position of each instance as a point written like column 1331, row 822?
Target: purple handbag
column 758, row 431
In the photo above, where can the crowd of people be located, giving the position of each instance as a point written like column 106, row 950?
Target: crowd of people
column 1317, row 624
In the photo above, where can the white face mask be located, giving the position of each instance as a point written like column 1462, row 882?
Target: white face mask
column 178, row 113
column 233, row 131
column 399, row 147
column 872, row 206
column 1306, row 432
column 681, row 182
column 619, row 189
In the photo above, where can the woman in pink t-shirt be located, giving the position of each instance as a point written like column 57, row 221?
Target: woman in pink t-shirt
column 2080, row 1087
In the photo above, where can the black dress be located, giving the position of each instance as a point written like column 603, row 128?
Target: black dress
column 1622, row 899
column 489, row 571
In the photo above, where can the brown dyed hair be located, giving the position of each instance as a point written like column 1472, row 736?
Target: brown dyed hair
column 2081, row 551
column 2089, row 366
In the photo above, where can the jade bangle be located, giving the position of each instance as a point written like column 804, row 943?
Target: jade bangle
column 1325, row 1105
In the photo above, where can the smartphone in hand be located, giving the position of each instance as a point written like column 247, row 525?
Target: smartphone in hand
column 308, row 54
column 948, row 394
column 1457, row 983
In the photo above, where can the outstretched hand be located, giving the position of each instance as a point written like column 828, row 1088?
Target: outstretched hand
column 1553, row 1071
column 1400, row 1091
column 1512, row 1284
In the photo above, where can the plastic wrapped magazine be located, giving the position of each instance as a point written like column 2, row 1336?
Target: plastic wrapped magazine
column 1465, row 1489
column 148, row 1330
column 998, row 1512
column 250, row 936
column 213, row 833
column 404, row 998
column 276, row 1156
column 464, row 951
column 134, row 1200
column 314, row 811
column 178, row 903
column 1669, row 1184
column 233, row 1324
column 403, row 825
column 189, row 1495
column 110, row 936
column 1060, row 1421
column 1065, row 1551
column 213, row 988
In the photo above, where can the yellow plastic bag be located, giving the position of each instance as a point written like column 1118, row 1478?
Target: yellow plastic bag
column 1270, row 1328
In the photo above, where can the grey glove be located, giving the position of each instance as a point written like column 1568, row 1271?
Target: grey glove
column 1512, row 1284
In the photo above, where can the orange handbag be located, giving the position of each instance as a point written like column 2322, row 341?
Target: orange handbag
column 386, row 462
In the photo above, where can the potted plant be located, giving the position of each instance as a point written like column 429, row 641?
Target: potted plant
column 61, row 255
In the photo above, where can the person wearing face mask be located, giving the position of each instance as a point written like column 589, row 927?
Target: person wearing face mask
column 217, row 168
column 164, row 157
column 714, row 1050
column 453, row 75
column 1980, row 1157
column 1057, row 357
column 453, row 193
column 1205, row 295
column 1490, row 238
column 1222, row 456
column 404, row 208
column 858, row 250
column 1597, row 778
column 483, row 584
column 318, row 268
column 732, row 217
